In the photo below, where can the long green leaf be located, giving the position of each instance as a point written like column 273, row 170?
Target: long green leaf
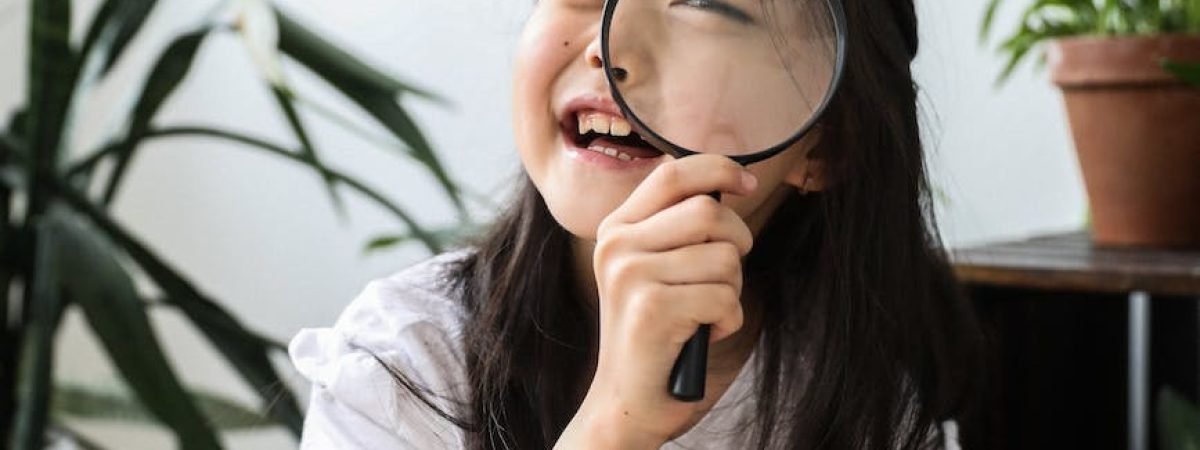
column 419, row 231
column 286, row 103
column 989, row 19
column 330, row 61
column 113, row 309
column 9, row 178
column 1191, row 16
column 87, row 402
column 34, row 371
column 166, row 75
column 246, row 351
column 389, row 113
column 51, row 76
column 7, row 331
column 373, row 91
column 445, row 235
column 76, row 438
column 113, row 27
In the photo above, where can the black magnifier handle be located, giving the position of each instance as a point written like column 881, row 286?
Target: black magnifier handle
column 690, row 371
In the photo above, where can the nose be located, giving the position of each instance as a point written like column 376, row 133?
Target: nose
column 595, row 59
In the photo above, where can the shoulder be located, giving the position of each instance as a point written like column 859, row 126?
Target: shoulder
column 420, row 298
column 409, row 323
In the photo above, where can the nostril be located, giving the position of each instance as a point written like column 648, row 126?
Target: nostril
column 619, row 74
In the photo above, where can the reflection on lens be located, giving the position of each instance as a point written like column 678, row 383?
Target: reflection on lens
column 732, row 77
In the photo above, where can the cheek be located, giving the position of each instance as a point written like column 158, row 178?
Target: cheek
column 540, row 60
column 547, row 67
column 773, row 177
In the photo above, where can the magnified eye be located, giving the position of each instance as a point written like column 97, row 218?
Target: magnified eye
column 722, row 8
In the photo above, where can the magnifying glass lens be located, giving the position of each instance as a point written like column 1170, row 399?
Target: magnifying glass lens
column 732, row 77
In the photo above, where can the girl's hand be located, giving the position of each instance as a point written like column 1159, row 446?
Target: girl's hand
column 666, row 261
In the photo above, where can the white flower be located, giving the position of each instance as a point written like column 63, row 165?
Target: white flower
column 256, row 21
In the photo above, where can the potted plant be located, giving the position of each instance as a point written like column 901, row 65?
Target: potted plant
column 1122, row 66
column 64, row 250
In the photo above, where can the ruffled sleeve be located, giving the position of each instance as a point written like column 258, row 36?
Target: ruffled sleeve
column 406, row 323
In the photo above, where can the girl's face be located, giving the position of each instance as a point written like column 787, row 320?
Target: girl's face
column 559, row 89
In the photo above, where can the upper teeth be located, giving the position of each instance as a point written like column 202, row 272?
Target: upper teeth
column 603, row 124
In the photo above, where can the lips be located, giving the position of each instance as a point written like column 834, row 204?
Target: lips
column 595, row 124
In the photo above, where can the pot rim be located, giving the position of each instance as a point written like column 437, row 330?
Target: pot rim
column 1128, row 60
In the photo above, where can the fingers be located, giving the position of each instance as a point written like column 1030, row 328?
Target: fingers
column 679, row 310
column 714, row 262
column 683, row 178
column 696, row 220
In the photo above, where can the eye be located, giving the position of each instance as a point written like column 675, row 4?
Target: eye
column 719, row 7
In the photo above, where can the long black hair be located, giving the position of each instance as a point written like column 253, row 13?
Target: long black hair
column 865, row 340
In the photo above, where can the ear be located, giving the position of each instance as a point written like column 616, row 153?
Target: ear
column 808, row 175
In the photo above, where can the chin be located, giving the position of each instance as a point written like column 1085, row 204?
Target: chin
column 580, row 211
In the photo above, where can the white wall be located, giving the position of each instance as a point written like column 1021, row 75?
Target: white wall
column 1003, row 157
column 259, row 234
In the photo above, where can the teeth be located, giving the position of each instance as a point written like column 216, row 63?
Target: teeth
column 612, row 152
column 604, row 124
column 620, row 127
column 600, row 124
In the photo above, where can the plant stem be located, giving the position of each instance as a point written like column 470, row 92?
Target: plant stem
column 35, row 367
column 6, row 330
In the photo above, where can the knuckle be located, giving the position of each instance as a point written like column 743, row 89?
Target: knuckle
column 605, row 228
column 740, row 235
column 623, row 269
column 704, row 207
column 668, row 174
column 747, row 241
column 607, row 244
column 727, row 312
column 729, row 302
column 735, row 319
column 645, row 305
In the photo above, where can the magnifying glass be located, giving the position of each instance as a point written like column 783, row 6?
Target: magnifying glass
column 741, row 78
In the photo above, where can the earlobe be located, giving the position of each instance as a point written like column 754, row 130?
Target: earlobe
column 809, row 176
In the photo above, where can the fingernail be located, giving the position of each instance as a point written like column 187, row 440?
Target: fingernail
column 749, row 181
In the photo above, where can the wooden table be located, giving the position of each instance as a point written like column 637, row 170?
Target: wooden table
column 1069, row 264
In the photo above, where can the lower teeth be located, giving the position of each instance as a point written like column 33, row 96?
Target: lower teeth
column 611, row 152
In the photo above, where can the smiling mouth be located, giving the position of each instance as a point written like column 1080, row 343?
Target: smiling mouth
column 610, row 135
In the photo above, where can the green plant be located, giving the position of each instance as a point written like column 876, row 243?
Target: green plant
column 1189, row 73
column 60, row 247
column 1044, row 20
column 1178, row 422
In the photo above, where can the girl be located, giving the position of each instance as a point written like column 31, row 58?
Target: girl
column 836, row 321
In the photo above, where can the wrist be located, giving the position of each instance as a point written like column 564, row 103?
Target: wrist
column 590, row 430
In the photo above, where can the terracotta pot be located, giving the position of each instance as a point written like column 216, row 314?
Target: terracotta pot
column 1137, row 134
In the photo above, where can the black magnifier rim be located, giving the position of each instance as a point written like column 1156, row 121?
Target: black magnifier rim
column 658, row 141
